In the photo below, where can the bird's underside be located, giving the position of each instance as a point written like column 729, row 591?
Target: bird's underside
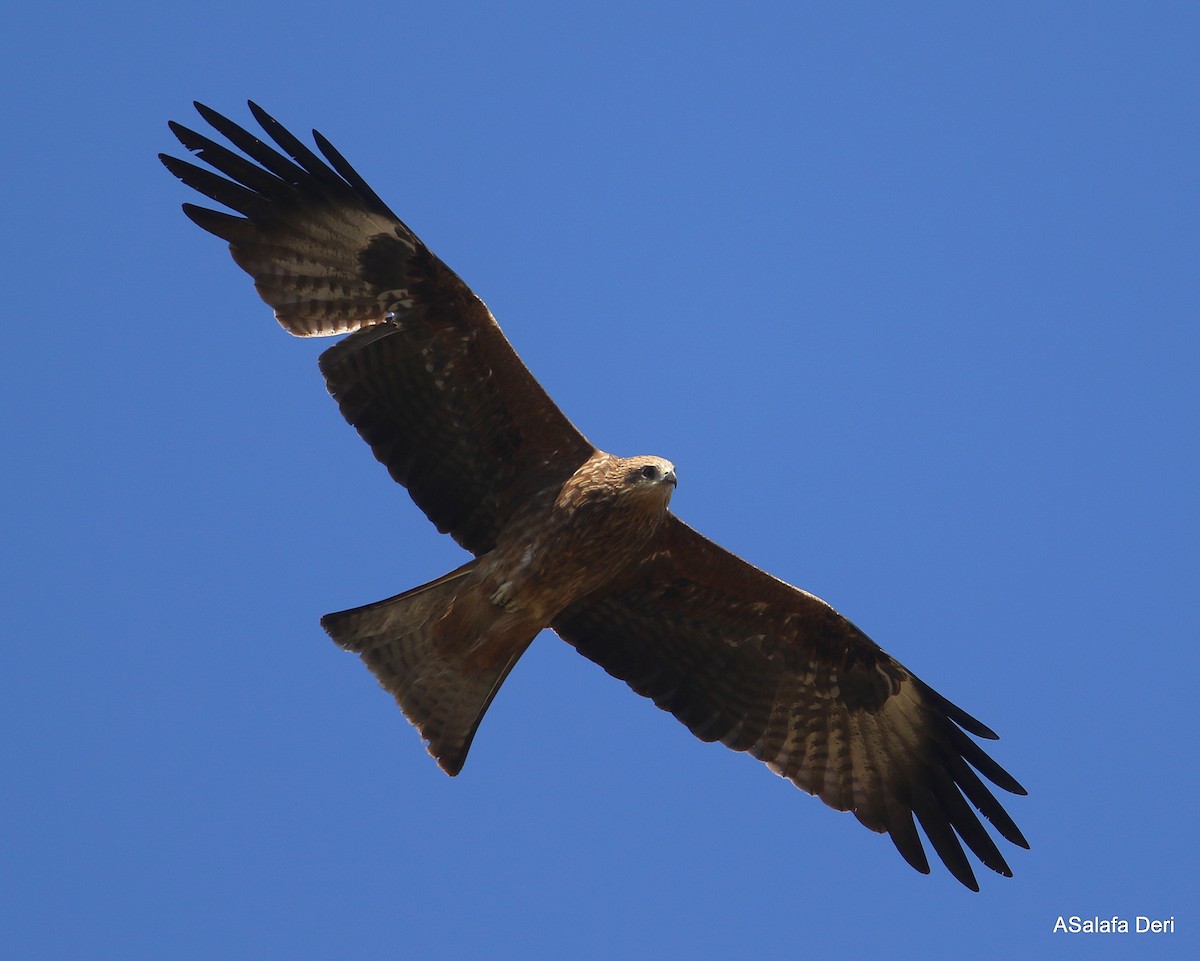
column 565, row 536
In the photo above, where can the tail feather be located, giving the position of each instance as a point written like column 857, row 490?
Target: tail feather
column 441, row 688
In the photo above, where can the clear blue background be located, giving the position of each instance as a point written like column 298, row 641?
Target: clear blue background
column 909, row 292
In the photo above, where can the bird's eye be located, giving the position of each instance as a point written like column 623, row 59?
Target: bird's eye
column 650, row 472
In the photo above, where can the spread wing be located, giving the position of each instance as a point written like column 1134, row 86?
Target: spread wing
column 427, row 377
column 743, row 658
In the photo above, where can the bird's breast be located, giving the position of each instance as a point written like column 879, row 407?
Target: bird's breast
column 547, row 562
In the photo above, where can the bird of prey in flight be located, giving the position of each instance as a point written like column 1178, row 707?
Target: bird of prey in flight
column 564, row 535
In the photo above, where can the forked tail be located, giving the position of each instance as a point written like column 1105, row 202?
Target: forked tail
column 440, row 687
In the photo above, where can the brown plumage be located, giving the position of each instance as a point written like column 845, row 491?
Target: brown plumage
column 566, row 536
column 444, row 649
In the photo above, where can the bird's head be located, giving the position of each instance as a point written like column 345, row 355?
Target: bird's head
column 649, row 475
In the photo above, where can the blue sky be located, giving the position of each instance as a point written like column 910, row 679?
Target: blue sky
column 908, row 293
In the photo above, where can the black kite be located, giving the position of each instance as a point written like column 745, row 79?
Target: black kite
column 566, row 536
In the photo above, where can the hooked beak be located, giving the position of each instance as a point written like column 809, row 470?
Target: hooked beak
column 670, row 478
